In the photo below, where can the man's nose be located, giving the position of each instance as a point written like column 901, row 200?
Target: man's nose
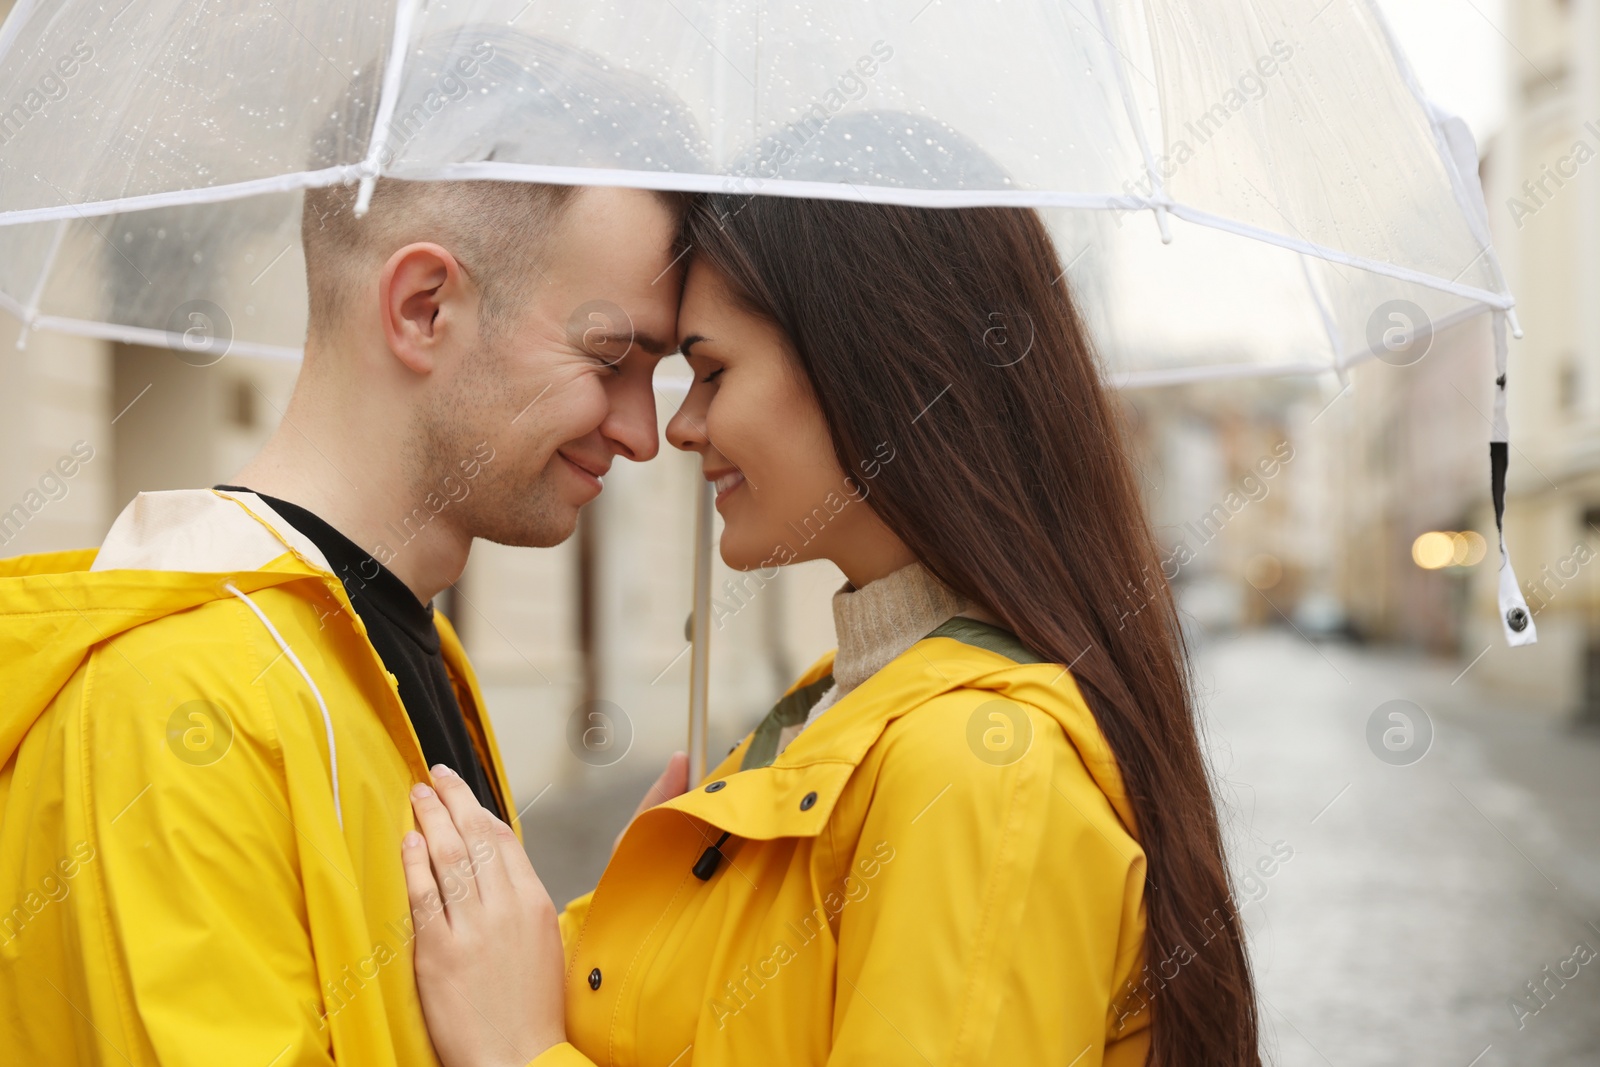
column 630, row 425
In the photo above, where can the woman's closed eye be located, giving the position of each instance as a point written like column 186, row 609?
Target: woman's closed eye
column 713, row 375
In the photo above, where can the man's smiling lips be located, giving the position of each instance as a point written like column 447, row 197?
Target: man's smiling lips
column 589, row 470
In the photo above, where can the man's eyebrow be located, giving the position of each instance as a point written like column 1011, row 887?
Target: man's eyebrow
column 689, row 342
column 648, row 342
column 653, row 345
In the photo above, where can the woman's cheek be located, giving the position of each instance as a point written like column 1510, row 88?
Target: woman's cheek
column 748, row 538
column 754, row 530
column 738, row 551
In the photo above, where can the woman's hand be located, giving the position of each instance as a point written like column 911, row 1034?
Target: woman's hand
column 490, row 970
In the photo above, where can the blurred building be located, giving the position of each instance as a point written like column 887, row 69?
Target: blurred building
column 1235, row 479
column 1543, row 190
column 1410, row 456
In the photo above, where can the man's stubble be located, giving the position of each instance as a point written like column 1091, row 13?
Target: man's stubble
column 509, row 501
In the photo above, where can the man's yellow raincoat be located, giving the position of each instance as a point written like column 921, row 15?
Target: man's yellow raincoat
column 941, row 869
column 204, row 778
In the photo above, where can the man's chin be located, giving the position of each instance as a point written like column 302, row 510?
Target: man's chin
column 538, row 518
column 547, row 533
column 551, row 536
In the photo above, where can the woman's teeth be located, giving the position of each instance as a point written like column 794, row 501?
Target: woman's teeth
column 728, row 481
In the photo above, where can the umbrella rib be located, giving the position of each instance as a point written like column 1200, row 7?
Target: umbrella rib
column 1500, row 301
column 1328, row 325
column 1280, row 212
column 1158, row 189
column 30, row 314
column 113, row 245
column 378, row 143
column 685, row 181
column 206, row 194
column 1446, row 159
column 143, row 335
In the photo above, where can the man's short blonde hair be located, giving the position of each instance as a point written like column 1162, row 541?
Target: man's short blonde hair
column 496, row 230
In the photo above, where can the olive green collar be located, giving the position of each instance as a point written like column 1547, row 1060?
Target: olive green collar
column 791, row 710
column 794, row 707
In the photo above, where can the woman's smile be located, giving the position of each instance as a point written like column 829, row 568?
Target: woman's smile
column 725, row 483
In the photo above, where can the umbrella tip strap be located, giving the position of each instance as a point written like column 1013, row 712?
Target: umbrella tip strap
column 1516, row 621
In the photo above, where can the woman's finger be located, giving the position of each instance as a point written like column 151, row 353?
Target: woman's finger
column 475, row 824
column 674, row 780
column 519, row 869
column 452, row 863
column 491, row 979
column 422, row 892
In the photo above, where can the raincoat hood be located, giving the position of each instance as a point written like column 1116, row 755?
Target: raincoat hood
column 246, row 853
column 54, row 608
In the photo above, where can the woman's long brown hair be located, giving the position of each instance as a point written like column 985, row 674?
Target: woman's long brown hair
column 950, row 333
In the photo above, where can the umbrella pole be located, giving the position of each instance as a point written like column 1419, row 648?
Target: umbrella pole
column 700, row 633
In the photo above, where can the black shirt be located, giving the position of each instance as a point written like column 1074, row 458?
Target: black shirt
column 401, row 629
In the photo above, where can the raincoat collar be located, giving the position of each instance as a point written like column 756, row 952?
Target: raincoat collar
column 791, row 710
column 775, row 801
column 55, row 607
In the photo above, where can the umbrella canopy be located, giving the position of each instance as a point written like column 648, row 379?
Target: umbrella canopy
column 1235, row 189
column 150, row 150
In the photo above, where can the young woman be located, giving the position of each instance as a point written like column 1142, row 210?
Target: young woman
column 982, row 832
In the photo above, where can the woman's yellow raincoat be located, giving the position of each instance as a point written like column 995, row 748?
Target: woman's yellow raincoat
column 941, row 869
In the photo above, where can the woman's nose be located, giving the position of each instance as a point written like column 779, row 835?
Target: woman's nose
column 686, row 429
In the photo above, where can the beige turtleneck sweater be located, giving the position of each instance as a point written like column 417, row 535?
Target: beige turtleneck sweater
column 878, row 622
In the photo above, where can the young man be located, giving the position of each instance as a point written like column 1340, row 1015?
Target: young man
column 209, row 730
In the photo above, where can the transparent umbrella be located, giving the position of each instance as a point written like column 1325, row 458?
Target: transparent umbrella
column 1267, row 176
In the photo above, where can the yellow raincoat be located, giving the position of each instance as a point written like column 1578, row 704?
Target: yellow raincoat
column 941, row 869
column 184, row 877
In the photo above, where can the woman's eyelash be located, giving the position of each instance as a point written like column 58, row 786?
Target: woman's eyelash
column 712, row 375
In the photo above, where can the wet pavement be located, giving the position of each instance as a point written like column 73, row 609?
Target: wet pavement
column 1398, row 905
column 1423, row 894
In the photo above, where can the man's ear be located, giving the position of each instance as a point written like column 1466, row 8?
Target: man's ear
column 424, row 296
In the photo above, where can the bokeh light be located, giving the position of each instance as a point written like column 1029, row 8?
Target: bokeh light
column 1469, row 548
column 1433, row 550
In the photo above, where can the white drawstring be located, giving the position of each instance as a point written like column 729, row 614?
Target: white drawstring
column 327, row 720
